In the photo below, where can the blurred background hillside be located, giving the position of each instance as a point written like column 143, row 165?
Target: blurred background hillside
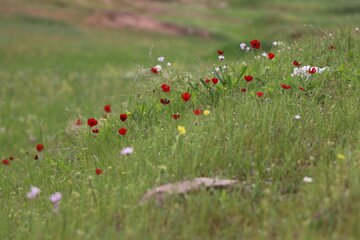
column 60, row 59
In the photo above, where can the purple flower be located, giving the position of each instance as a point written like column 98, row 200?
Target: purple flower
column 34, row 192
column 127, row 151
column 55, row 200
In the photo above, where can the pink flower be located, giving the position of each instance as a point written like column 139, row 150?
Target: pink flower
column 34, row 192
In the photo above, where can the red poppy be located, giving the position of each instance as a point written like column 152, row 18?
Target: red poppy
column 92, row 122
column 271, row 55
column 285, row 86
column 186, row 96
column 175, row 116
column 296, row 63
column 207, row 80
column 312, row 70
column 78, row 122
column 197, row 112
column 36, row 157
column 255, row 44
column 165, row 88
column 96, row 130
column 5, row 162
column 220, row 52
column 123, row 117
column 215, row 80
column 164, row 101
column 107, row 108
column 243, row 89
column 11, row 158
column 302, row 89
column 98, row 171
column 122, row 131
column 259, row 94
column 39, row 147
column 248, row 78
column 154, row 70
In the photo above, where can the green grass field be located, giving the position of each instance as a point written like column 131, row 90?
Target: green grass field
column 55, row 68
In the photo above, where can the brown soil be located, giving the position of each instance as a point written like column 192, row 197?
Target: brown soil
column 132, row 20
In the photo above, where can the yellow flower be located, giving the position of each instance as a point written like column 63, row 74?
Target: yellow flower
column 182, row 130
column 340, row 156
column 206, row 112
column 128, row 113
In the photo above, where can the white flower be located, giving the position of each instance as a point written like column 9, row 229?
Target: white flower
column 357, row 29
column 297, row 117
column 248, row 49
column 243, row 46
column 158, row 68
column 308, row 179
column 161, row 59
column 264, row 54
column 34, row 192
column 221, row 57
column 127, row 151
column 304, row 71
column 275, row 43
column 169, row 64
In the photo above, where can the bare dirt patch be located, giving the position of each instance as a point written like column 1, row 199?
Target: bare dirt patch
column 133, row 20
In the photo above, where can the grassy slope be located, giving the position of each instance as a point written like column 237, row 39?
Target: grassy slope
column 50, row 72
column 256, row 141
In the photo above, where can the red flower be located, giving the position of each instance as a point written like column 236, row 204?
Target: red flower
column 259, row 94
column 78, row 122
column 107, row 108
column 164, row 101
column 154, row 70
column 248, row 78
column 197, row 112
column 271, row 55
column 255, row 44
column 285, row 86
column 5, row 162
column 296, row 63
column 122, row 131
column 98, row 171
column 220, row 52
column 175, row 116
column 215, row 80
column 186, row 96
column 312, row 70
column 243, row 89
column 302, row 89
column 92, row 122
column 165, row 88
column 123, row 117
column 96, row 130
column 207, row 80
column 39, row 147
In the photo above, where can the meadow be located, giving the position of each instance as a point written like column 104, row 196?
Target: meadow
column 288, row 135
